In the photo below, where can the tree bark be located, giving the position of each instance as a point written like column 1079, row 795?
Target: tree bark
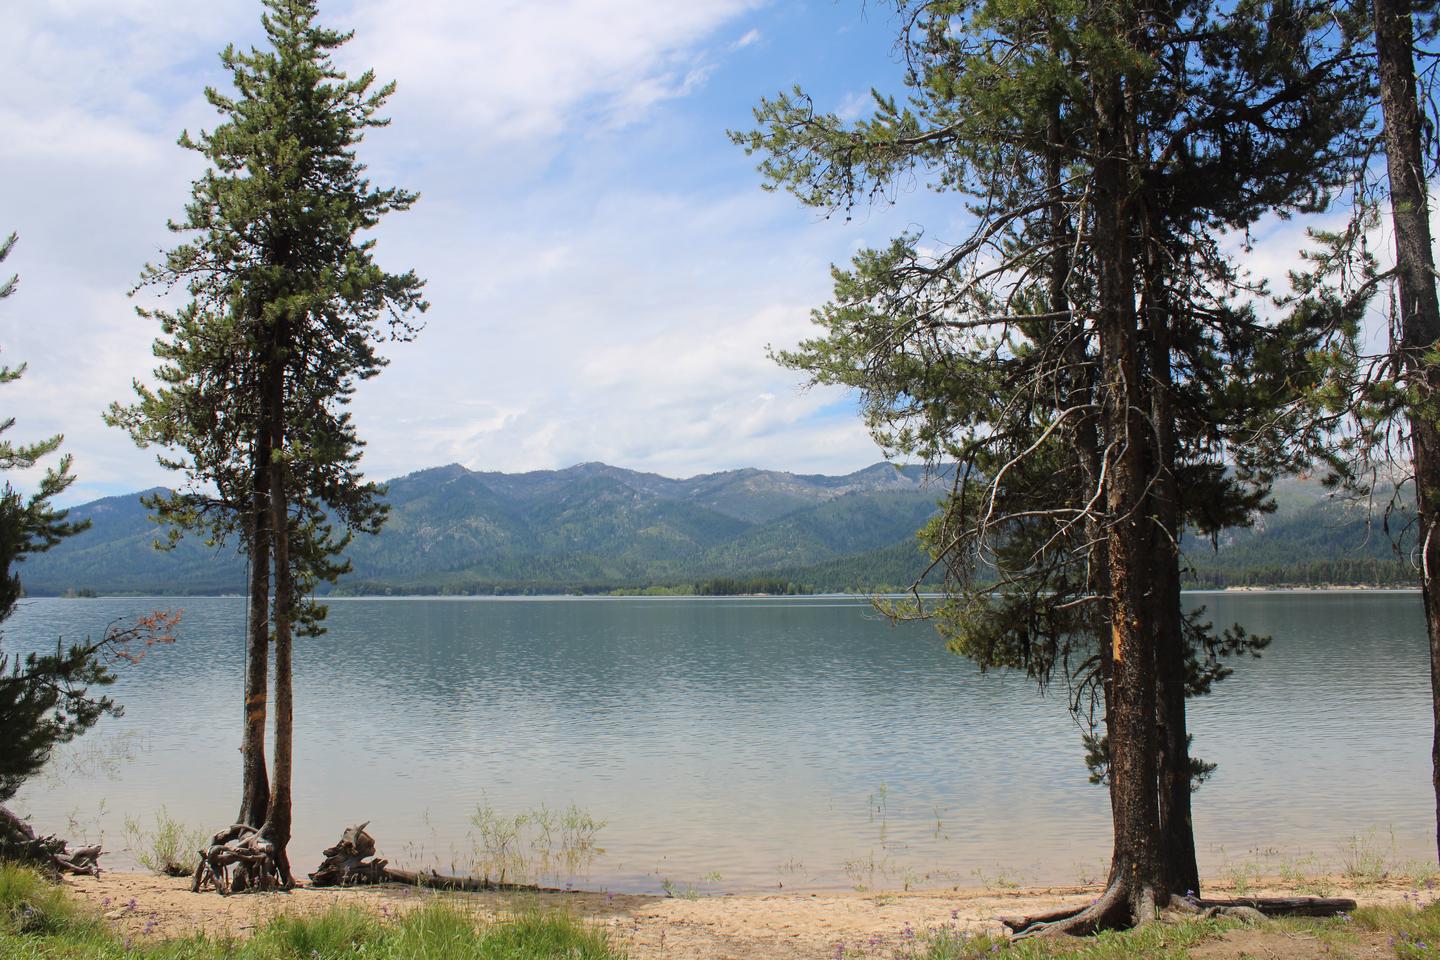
column 255, row 783
column 1419, row 310
column 1135, row 886
column 277, row 818
column 1177, row 833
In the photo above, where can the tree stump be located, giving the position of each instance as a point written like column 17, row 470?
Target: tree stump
column 19, row 843
column 345, row 864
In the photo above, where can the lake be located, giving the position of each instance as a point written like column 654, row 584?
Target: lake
column 740, row 744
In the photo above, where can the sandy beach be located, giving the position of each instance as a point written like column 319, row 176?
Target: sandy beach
column 798, row 925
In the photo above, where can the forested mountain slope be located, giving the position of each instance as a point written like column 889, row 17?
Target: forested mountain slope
column 594, row 527
column 591, row 526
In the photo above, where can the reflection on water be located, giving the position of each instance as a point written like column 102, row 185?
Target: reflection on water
column 741, row 743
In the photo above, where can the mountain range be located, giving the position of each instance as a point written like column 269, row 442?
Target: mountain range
column 598, row 528
column 589, row 527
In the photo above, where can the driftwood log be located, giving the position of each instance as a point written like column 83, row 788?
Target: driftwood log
column 346, row 863
column 239, row 858
column 1249, row 909
column 19, row 843
column 352, row 862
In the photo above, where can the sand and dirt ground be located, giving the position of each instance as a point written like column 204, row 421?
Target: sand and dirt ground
column 774, row 927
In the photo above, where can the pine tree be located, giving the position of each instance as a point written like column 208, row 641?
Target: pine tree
column 1086, row 356
column 1392, row 433
column 44, row 701
column 1419, row 309
column 286, row 310
column 47, row 699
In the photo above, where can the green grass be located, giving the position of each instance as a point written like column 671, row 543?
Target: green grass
column 1159, row 941
column 171, row 848
column 1414, row 931
column 30, row 905
column 1412, row 934
column 38, row 922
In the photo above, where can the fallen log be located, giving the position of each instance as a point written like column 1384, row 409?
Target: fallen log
column 439, row 881
column 19, row 843
column 352, row 862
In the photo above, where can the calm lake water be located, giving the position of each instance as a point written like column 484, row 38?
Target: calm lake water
column 740, row 744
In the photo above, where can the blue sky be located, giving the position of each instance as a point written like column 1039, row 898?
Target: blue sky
column 605, row 271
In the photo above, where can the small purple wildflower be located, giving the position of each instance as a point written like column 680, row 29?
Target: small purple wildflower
column 954, row 914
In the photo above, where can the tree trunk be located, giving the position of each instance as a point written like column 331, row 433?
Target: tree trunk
column 1177, row 834
column 1419, row 309
column 255, row 784
column 277, row 819
column 1136, row 887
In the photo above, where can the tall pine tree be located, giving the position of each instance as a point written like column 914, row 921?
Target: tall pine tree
column 1388, row 398
column 1418, row 323
column 1086, row 356
column 286, row 310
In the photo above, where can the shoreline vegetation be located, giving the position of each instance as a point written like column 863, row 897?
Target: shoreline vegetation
column 131, row 916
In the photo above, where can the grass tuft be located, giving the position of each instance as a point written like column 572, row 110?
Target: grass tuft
column 1414, row 932
column 171, row 849
column 30, row 904
column 339, row 932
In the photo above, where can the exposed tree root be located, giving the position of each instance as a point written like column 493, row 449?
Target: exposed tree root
column 352, row 862
column 239, row 858
column 1115, row 910
column 1250, row 907
column 19, row 843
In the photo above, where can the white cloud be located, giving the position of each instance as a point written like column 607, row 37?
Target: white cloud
column 582, row 311
column 515, row 69
column 750, row 36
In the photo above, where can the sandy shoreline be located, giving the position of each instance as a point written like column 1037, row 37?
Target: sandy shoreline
column 799, row 925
